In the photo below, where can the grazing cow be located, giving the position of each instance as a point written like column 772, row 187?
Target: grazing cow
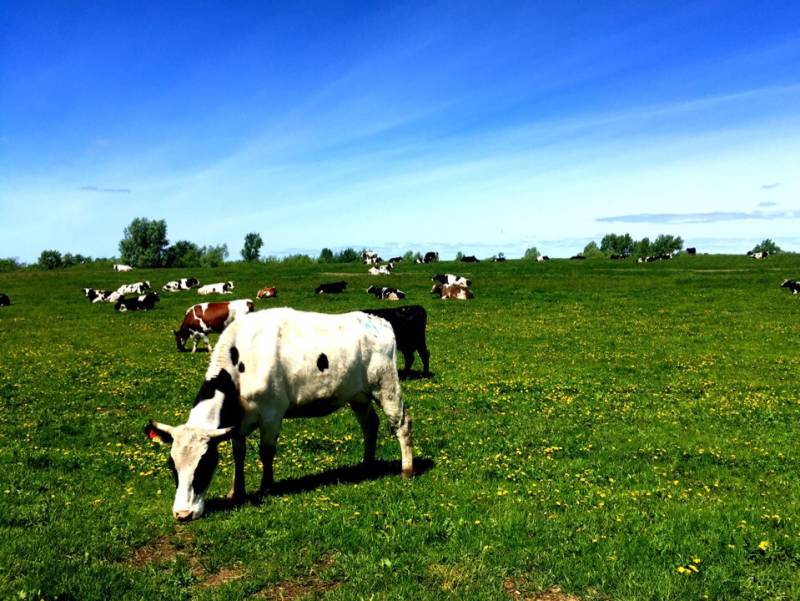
column 370, row 257
column 267, row 292
column 578, row 257
column 135, row 288
column 382, row 270
column 332, row 288
column 120, row 267
column 449, row 278
column 145, row 302
column 276, row 364
column 541, row 258
column 395, row 259
column 202, row 319
column 408, row 323
column 454, row 291
column 218, row 288
column 182, row 284
column 418, row 260
column 386, row 293
column 470, row 259
column 691, row 250
column 763, row 254
column 4, row 300
column 430, row 257
column 792, row 285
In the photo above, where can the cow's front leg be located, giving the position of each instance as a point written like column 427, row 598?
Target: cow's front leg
column 368, row 419
column 238, row 492
column 266, row 452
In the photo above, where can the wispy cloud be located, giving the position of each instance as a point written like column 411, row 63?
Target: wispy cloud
column 770, row 186
column 108, row 190
column 710, row 217
column 767, row 203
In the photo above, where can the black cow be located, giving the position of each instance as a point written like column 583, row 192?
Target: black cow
column 691, row 250
column 386, row 292
column 145, row 302
column 4, row 300
column 577, row 257
column 332, row 288
column 470, row 259
column 430, row 257
column 408, row 323
column 792, row 285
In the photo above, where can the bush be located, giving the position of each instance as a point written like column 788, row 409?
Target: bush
column 50, row 259
column 183, row 254
column 144, row 243
column 591, row 250
column 213, row 256
column 766, row 245
column 325, row 256
column 10, row 264
column 531, row 254
column 348, row 255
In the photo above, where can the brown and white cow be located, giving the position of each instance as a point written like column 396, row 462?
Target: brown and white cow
column 267, row 292
column 453, row 291
column 204, row 318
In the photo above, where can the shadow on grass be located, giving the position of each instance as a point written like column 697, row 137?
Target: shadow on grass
column 416, row 375
column 341, row 475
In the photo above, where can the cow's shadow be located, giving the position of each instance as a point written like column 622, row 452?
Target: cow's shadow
column 416, row 375
column 353, row 474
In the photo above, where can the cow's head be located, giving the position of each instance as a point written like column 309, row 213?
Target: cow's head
column 180, row 340
column 193, row 459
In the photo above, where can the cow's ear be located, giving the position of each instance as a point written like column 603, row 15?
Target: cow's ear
column 221, row 434
column 158, row 432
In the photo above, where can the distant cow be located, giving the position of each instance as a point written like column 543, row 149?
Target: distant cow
column 145, row 302
column 430, row 257
column 453, row 291
column 691, row 250
column 450, row 278
column 386, row 293
column 470, row 259
column 4, row 300
column 792, row 285
column 101, row 296
column 382, row 270
column 763, row 254
column 395, row 259
column 202, row 319
column 541, row 258
column 218, row 288
column 499, row 258
column 135, row 288
column 121, row 267
column 370, row 257
column 578, row 257
column 182, row 284
column 408, row 323
column 331, row 288
column 267, row 292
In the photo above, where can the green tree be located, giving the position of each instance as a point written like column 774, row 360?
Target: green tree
column 459, row 256
column 214, row 256
column 348, row 255
column 411, row 257
column 183, row 254
column 325, row 256
column 252, row 247
column 50, row 259
column 144, row 243
column 531, row 254
column 10, row 264
column 666, row 244
column 766, row 245
column 617, row 244
column 642, row 247
column 591, row 250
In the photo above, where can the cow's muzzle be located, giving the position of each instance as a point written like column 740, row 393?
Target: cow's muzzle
column 184, row 516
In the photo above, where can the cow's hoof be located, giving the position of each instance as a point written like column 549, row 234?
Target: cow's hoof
column 237, row 497
column 408, row 473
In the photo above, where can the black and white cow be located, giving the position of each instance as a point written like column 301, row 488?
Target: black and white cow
column 4, row 300
column 218, row 288
column 395, row 259
column 386, row 292
column 431, row 256
column 792, row 285
column 135, row 288
column 331, row 288
column 762, row 254
column 101, row 296
column 121, row 267
column 370, row 257
column 382, row 270
column 182, row 284
column 145, row 302
column 542, row 258
column 409, row 323
column 276, row 364
column 450, row 278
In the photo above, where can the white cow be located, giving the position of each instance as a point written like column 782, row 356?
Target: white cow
column 218, row 288
column 135, row 288
column 281, row 363
column 121, row 267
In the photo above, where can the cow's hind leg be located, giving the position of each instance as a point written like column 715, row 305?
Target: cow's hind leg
column 425, row 355
column 266, row 452
column 368, row 419
column 389, row 396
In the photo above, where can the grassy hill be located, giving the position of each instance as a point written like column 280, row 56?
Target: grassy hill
column 613, row 429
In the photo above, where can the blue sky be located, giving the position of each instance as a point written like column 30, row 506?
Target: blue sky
column 480, row 127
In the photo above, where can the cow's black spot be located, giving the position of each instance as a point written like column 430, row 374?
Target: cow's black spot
column 322, row 362
column 205, row 470
column 234, row 355
column 231, row 412
column 241, row 368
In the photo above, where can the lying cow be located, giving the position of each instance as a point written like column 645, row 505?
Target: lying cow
column 470, row 259
column 4, row 300
column 202, row 319
column 430, row 257
column 542, row 258
column 762, row 254
column 121, row 267
column 408, row 323
column 218, row 288
column 145, row 302
column 453, row 291
column 135, row 288
column 395, row 259
column 332, row 288
column 267, row 292
column 386, row 292
column 382, row 270
column 276, row 364
column 370, row 257
column 101, row 296
column 449, row 278
column 792, row 285
column 182, row 284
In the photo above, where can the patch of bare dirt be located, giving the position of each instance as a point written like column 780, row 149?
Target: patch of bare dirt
column 512, row 589
column 300, row 588
column 224, row 576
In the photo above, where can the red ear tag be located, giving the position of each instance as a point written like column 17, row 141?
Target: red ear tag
column 154, row 436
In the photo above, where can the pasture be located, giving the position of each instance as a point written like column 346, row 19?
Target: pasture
column 612, row 429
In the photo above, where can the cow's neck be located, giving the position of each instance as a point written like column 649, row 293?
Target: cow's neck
column 217, row 403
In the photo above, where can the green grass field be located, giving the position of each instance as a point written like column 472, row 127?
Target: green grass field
column 616, row 430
